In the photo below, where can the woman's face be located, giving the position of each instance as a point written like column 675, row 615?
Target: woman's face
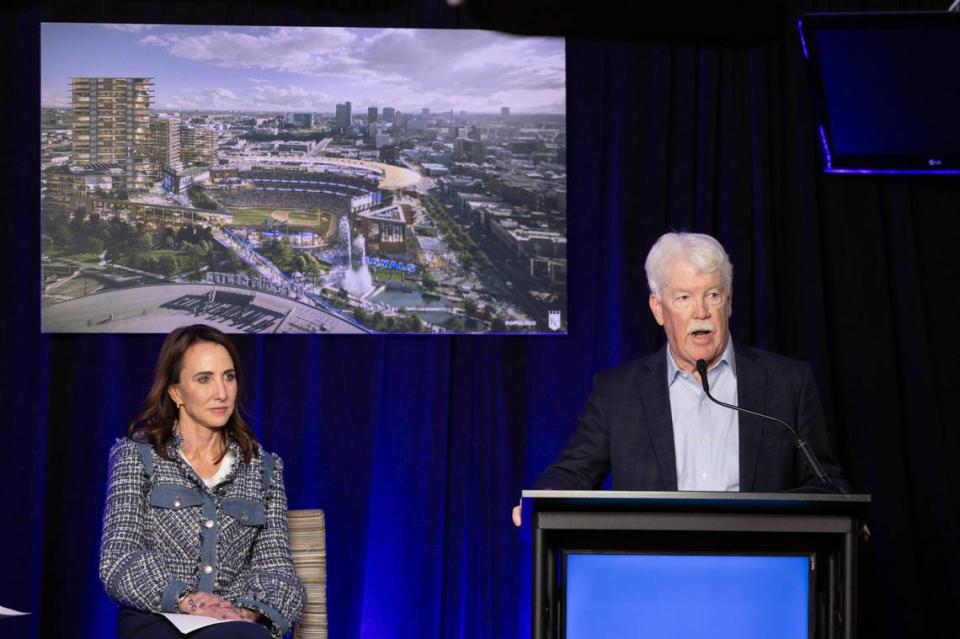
column 207, row 388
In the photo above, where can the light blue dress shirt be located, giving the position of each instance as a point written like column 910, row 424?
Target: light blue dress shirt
column 706, row 437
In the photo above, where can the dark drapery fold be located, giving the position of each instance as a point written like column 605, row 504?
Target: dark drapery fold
column 417, row 447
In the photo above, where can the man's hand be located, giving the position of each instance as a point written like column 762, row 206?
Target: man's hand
column 516, row 515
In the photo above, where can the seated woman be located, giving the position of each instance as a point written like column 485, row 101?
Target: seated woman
column 196, row 514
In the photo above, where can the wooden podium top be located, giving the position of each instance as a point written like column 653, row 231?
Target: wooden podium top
column 606, row 500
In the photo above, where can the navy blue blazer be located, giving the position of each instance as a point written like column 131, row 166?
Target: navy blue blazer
column 626, row 429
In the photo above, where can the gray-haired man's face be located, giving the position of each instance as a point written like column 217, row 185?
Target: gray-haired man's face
column 694, row 310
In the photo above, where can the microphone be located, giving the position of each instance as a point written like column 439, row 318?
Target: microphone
column 797, row 439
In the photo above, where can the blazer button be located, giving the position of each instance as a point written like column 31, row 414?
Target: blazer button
column 176, row 502
column 208, row 523
column 207, row 569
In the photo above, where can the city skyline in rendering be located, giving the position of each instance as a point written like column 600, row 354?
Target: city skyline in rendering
column 302, row 180
column 278, row 69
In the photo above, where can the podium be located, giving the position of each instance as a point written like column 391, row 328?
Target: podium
column 822, row 528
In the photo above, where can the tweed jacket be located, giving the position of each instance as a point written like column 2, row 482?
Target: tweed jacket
column 165, row 533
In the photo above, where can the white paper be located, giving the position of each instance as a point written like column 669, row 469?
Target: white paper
column 188, row 623
column 10, row 612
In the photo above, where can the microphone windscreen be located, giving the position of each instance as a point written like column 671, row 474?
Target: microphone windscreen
column 702, row 369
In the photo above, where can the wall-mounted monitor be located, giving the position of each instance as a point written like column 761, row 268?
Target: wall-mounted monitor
column 886, row 90
column 302, row 180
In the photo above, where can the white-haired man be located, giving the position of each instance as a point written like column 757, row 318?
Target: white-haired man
column 649, row 422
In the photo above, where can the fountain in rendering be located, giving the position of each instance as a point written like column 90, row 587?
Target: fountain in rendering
column 357, row 281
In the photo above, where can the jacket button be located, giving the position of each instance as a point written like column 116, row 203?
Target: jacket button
column 207, row 569
column 176, row 502
column 208, row 523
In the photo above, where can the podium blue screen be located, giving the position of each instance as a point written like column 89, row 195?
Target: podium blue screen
column 686, row 596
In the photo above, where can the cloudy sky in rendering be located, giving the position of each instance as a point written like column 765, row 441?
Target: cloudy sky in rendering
column 311, row 69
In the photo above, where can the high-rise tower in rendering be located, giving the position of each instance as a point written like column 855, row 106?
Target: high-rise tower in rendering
column 344, row 115
column 198, row 146
column 164, row 149
column 111, row 124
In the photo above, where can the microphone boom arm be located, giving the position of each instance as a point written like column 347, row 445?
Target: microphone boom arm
column 800, row 442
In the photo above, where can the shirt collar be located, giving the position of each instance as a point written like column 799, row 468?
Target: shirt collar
column 173, row 449
column 176, row 441
column 728, row 357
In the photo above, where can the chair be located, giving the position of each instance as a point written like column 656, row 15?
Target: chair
column 308, row 546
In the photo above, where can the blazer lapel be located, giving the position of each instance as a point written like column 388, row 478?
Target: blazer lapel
column 751, row 393
column 655, row 397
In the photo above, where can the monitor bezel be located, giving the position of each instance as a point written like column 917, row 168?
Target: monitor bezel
column 880, row 164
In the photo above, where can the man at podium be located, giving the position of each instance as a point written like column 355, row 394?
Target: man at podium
column 650, row 423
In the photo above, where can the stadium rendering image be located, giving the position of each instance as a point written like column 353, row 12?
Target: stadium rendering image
column 310, row 221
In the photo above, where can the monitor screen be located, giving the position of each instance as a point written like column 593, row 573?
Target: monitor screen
column 268, row 179
column 686, row 596
column 886, row 90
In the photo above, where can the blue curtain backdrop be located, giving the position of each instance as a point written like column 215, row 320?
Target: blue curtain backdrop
column 417, row 447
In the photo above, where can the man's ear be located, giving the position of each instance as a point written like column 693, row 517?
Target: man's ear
column 656, row 309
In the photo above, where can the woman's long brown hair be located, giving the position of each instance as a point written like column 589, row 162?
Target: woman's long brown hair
column 155, row 422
